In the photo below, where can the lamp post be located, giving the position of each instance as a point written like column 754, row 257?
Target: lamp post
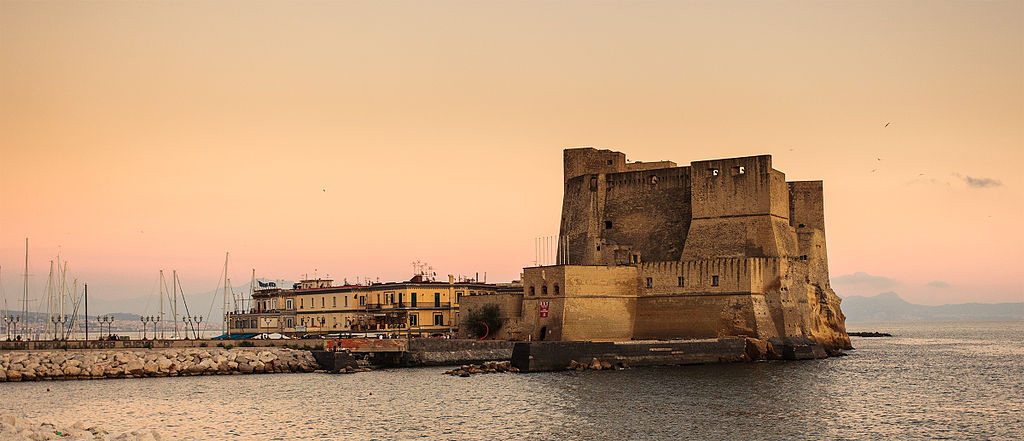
column 16, row 318
column 54, row 320
column 143, row 319
column 186, row 320
column 63, row 321
column 107, row 320
column 156, row 324
column 7, row 324
column 199, row 327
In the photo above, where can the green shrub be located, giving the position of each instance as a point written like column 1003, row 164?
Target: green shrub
column 202, row 345
column 245, row 344
column 476, row 318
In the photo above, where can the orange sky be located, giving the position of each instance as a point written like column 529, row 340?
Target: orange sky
column 352, row 138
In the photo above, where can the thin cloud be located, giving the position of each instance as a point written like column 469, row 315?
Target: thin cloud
column 864, row 280
column 982, row 182
column 921, row 179
column 938, row 284
column 978, row 182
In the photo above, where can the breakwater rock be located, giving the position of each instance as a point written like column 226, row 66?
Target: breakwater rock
column 870, row 334
column 489, row 367
column 596, row 365
column 16, row 429
column 81, row 365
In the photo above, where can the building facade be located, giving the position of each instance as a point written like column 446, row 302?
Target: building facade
column 418, row 307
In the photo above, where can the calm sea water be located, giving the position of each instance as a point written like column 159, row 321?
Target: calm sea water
column 950, row 380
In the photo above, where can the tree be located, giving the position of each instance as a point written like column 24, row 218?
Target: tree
column 476, row 318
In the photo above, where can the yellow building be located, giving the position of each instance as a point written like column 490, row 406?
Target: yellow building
column 418, row 307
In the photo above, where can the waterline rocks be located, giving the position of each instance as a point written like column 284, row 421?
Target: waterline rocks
column 172, row 362
column 489, row 367
column 596, row 365
column 17, row 429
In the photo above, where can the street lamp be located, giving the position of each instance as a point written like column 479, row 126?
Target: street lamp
column 196, row 320
column 152, row 320
column 64, row 319
column 108, row 320
column 7, row 324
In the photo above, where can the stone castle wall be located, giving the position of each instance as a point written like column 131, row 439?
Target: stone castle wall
column 718, row 248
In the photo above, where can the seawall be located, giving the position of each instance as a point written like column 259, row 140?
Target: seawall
column 410, row 353
column 560, row 355
column 173, row 362
column 437, row 352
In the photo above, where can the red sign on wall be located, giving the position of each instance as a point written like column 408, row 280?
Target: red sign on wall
column 543, row 308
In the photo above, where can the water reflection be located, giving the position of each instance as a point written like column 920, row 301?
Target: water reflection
column 932, row 381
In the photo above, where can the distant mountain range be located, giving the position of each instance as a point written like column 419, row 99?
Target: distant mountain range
column 889, row 307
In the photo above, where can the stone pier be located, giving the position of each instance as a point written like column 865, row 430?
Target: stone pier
column 171, row 362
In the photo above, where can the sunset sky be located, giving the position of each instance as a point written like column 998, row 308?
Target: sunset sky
column 352, row 138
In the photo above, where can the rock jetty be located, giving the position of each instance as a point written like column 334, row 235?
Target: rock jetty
column 489, row 367
column 17, row 429
column 596, row 365
column 82, row 365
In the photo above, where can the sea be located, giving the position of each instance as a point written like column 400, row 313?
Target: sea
column 931, row 380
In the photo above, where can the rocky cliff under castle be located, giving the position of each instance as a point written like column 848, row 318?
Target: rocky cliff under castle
column 653, row 250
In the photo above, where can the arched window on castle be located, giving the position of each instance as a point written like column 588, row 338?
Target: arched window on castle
column 556, row 289
column 533, row 291
column 544, row 289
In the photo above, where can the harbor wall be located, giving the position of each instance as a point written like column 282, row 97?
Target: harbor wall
column 416, row 352
column 561, row 355
column 437, row 352
column 51, row 345
column 174, row 362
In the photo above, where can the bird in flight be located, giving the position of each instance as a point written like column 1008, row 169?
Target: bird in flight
column 887, row 124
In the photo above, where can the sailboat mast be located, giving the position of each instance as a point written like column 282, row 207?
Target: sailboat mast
column 174, row 306
column 161, row 304
column 24, row 295
column 252, row 288
column 226, row 329
column 63, row 288
column 50, row 305
column 2, row 290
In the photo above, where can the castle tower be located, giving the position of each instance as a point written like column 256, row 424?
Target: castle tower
column 740, row 208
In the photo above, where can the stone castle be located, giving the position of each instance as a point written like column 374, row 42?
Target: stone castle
column 653, row 250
